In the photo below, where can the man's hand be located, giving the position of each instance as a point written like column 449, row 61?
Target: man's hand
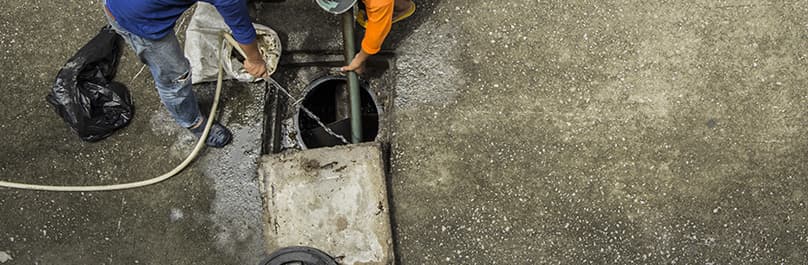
column 254, row 63
column 357, row 64
column 256, row 67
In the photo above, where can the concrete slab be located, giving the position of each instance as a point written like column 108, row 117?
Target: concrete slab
column 333, row 199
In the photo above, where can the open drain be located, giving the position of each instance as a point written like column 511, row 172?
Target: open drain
column 298, row 255
column 328, row 99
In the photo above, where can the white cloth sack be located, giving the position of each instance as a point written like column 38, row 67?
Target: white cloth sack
column 203, row 41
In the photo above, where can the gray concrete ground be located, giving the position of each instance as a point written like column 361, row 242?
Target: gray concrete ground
column 526, row 132
column 209, row 214
column 602, row 132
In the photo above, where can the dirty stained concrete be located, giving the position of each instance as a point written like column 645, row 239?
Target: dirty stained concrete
column 526, row 132
column 208, row 214
column 332, row 199
column 602, row 132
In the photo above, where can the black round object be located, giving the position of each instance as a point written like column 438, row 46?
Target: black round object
column 301, row 255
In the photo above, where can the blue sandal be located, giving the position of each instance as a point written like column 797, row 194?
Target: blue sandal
column 218, row 137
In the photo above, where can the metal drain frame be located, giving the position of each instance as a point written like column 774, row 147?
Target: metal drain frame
column 299, row 254
column 314, row 84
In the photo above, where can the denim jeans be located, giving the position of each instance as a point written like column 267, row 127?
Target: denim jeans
column 171, row 72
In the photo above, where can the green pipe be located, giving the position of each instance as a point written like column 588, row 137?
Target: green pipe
column 353, row 81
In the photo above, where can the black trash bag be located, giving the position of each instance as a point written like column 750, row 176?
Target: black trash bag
column 84, row 94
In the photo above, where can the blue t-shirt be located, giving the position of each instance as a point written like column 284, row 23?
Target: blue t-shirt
column 154, row 19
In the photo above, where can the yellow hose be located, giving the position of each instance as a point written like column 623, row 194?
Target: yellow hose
column 199, row 145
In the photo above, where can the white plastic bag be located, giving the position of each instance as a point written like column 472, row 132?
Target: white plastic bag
column 203, row 39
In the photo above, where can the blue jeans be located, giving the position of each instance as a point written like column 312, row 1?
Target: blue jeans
column 171, row 72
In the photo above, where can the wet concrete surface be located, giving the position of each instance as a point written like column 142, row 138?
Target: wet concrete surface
column 602, row 132
column 525, row 132
column 208, row 214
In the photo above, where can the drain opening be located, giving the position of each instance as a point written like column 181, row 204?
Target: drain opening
column 328, row 98
column 299, row 255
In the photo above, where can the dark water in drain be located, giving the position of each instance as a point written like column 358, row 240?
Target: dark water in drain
column 330, row 102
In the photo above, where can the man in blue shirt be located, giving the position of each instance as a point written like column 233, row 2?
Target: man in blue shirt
column 148, row 27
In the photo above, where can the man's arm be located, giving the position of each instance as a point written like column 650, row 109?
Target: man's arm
column 237, row 17
column 380, row 20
